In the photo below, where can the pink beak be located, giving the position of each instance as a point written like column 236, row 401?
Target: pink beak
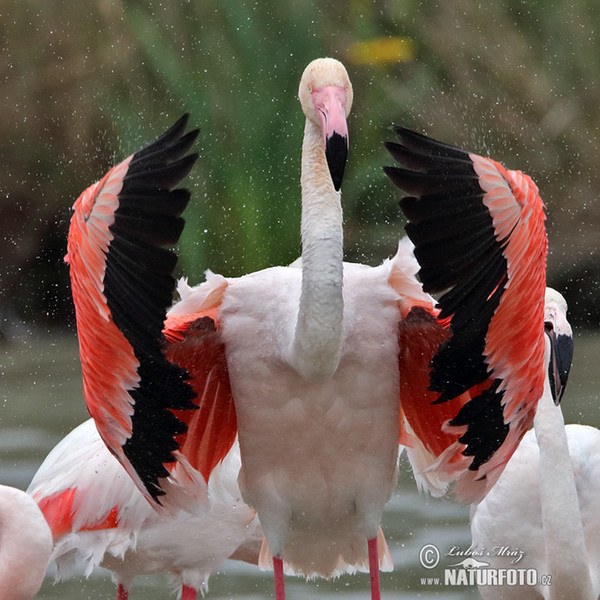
column 330, row 104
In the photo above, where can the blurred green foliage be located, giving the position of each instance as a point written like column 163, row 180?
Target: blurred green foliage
column 82, row 88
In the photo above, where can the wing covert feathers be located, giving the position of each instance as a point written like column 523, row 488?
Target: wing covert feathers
column 480, row 240
column 193, row 343
column 122, row 282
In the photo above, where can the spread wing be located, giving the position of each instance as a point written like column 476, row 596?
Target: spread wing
column 122, row 281
column 479, row 237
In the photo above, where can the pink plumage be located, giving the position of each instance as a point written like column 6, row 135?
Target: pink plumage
column 99, row 517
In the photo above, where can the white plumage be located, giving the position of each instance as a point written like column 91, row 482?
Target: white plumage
column 546, row 503
column 185, row 546
column 25, row 545
column 357, row 408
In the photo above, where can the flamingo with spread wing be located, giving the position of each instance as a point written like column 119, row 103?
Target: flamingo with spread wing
column 321, row 368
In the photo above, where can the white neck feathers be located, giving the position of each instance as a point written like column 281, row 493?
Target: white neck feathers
column 561, row 518
column 317, row 342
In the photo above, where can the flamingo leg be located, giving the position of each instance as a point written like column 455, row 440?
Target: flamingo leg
column 188, row 593
column 279, row 583
column 122, row 593
column 374, row 569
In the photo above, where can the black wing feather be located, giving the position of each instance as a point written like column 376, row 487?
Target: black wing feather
column 139, row 286
column 459, row 256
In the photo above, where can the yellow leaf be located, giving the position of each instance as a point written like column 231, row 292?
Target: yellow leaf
column 381, row 51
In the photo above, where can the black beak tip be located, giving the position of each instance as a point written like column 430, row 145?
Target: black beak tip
column 557, row 393
column 337, row 182
column 561, row 357
column 336, row 152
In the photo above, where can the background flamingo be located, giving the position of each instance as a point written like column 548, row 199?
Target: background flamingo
column 99, row 517
column 320, row 369
column 25, row 545
column 546, row 501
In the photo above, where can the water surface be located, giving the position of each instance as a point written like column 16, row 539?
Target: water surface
column 41, row 401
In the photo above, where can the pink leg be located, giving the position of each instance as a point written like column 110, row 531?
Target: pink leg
column 188, row 593
column 122, row 593
column 374, row 569
column 279, row 583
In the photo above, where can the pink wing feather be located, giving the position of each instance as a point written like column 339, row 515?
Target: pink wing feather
column 193, row 342
column 480, row 240
column 122, row 282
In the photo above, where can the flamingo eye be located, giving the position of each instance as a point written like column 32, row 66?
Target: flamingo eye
column 548, row 326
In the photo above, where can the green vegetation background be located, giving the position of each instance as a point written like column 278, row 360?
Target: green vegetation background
column 85, row 84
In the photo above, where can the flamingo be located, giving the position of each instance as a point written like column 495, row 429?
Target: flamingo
column 320, row 368
column 25, row 545
column 99, row 517
column 545, row 503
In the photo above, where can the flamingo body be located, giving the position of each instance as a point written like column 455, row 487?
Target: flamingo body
column 99, row 517
column 511, row 514
column 341, row 434
column 25, row 545
column 545, row 503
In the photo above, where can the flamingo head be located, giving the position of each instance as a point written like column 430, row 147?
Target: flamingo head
column 560, row 341
column 326, row 97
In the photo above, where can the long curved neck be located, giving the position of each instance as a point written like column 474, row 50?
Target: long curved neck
column 317, row 342
column 563, row 529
